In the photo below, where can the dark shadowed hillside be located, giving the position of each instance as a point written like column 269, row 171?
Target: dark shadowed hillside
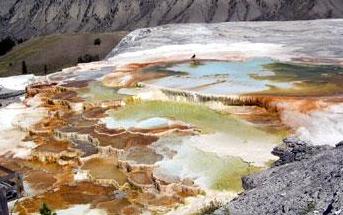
column 26, row 18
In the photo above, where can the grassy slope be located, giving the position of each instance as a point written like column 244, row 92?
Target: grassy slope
column 56, row 51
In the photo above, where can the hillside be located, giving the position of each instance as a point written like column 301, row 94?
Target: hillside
column 27, row 18
column 56, row 51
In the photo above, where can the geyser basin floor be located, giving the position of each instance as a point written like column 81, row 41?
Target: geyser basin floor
column 253, row 76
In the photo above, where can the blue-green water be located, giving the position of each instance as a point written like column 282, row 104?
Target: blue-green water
column 221, row 77
column 95, row 91
column 236, row 69
column 257, row 75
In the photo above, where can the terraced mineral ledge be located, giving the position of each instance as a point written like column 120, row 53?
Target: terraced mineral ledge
column 150, row 131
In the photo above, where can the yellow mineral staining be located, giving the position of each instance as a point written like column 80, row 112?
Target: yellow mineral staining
column 42, row 89
column 104, row 170
column 39, row 181
column 65, row 196
column 120, row 206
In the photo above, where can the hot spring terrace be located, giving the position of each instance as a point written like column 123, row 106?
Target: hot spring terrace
column 150, row 130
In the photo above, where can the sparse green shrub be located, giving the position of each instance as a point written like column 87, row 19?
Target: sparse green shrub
column 311, row 206
column 45, row 210
column 139, row 85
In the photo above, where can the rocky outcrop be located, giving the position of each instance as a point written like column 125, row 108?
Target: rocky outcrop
column 26, row 18
column 306, row 180
column 294, row 149
column 9, row 96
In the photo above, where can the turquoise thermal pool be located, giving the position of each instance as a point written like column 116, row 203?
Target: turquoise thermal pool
column 253, row 76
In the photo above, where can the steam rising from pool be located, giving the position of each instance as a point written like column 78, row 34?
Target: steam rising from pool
column 319, row 127
column 207, row 169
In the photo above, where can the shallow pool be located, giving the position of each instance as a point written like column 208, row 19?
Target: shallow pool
column 220, row 133
column 258, row 75
column 96, row 91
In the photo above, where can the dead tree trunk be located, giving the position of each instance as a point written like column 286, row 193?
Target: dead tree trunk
column 3, row 202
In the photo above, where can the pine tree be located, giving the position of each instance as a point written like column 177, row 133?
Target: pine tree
column 45, row 69
column 97, row 42
column 24, row 68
